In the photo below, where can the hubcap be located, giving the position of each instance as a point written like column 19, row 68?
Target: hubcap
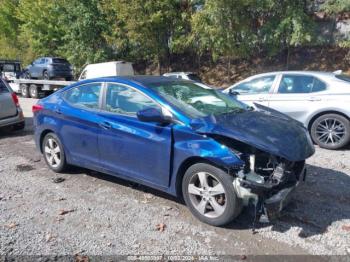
column 53, row 152
column 330, row 131
column 207, row 194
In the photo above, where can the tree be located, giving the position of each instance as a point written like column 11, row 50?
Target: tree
column 85, row 26
column 334, row 8
column 286, row 25
column 9, row 26
column 39, row 26
column 222, row 27
column 150, row 26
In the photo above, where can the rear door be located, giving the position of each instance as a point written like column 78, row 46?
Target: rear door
column 78, row 113
column 296, row 94
column 256, row 90
column 7, row 105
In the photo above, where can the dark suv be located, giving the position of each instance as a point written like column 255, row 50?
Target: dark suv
column 49, row 68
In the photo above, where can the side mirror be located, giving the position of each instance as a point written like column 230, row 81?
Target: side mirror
column 232, row 92
column 152, row 114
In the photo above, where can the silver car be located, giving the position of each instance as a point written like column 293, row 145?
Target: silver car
column 11, row 114
column 320, row 100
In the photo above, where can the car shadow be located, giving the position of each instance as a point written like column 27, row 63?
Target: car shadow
column 123, row 182
column 6, row 132
column 322, row 200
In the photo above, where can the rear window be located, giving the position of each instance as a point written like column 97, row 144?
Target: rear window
column 343, row 77
column 3, row 88
column 60, row 61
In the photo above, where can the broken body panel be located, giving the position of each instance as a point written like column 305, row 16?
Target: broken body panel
column 268, row 151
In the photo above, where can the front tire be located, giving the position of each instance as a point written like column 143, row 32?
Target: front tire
column 331, row 131
column 53, row 152
column 209, row 194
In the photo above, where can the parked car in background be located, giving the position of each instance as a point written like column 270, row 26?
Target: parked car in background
column 184, row 75
column 10, row 70
column 166, row 133
column 49, row 68
column 11, row 114
column 319, row 100
column 116, row 68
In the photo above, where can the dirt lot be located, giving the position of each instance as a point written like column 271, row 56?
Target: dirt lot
column 90, row 213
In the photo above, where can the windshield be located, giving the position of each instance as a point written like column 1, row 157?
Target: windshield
column 196, row 101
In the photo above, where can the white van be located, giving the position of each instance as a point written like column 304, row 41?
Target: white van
column 116, row 68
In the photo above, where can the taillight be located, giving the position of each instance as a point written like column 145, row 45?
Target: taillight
column 37, row 108
column 15, row 99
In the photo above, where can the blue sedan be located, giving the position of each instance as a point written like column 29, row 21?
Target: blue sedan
column 176, row 136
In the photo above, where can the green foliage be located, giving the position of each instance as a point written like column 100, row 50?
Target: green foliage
column 84, row 25
column 39, row 26
column 336, row 6
column 87, row 31
column 286, row 24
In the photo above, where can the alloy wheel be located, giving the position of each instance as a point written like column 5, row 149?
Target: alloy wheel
column 52, row 152
column 207, row 195
column 331, row 131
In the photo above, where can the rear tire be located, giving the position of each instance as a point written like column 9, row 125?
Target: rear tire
column 34, row 91
column 53, row 153
column 25, row 91
column 331, row 131
column 209, row 194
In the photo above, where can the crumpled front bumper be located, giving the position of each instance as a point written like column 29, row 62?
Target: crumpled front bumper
column 275, row 204
column 265, row 202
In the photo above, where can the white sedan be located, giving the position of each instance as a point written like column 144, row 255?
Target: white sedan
column 320, row 100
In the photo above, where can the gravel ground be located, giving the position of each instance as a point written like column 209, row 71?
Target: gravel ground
column 93, row 214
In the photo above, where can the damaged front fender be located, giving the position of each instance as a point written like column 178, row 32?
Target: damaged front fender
column 188, row 144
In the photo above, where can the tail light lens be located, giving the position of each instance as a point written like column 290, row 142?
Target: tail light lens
column 37, row 108
column 15, row 99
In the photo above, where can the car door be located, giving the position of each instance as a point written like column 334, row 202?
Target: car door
column 80, row 122
column 128, row 146
column 7, row 105
column 296, row 94
column 256, row 90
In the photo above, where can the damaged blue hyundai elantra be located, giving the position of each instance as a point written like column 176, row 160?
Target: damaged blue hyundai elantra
column 193, row 142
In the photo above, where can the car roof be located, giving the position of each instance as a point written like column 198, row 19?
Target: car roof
column 139, row 79
column 319, row 73
column 179, row 73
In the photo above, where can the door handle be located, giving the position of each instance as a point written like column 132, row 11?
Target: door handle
column 58, row 111
column 105, row 125
column 314, row 99
column 261, row 99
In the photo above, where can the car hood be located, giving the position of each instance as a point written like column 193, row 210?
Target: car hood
column 269, row 131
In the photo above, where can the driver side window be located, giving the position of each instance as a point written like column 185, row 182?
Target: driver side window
column 261, row 85
column 125, row 100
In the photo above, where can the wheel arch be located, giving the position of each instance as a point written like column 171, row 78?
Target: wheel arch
column 42, row 136
column 186, row 164
column 313, row 118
